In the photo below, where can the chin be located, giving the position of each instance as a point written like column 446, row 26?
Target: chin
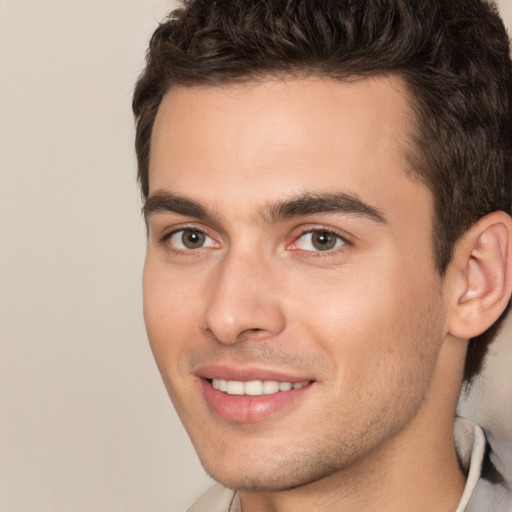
column 278, row 470
column 256, row 481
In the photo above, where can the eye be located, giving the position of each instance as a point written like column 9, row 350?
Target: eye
column 190, row 239
column 318, row 241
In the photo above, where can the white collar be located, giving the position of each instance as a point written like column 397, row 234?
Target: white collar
column 470, row 444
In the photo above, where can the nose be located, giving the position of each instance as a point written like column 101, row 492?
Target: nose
column 243, row 301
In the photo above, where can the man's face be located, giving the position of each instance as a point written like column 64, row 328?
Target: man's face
column 290, row 247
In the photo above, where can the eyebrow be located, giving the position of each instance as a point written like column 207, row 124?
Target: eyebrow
column 299, row 206
column 311, row 204
column 168, row 202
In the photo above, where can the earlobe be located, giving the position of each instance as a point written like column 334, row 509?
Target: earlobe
column 484, row 260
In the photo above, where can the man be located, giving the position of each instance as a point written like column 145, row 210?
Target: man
column 327, row 187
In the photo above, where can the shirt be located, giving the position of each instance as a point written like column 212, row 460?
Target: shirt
column 484, row 490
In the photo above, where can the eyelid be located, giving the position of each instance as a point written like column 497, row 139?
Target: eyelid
column 343, row 236
column 164, row 239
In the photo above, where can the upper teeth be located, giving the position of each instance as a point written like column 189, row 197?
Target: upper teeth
column 255, row 387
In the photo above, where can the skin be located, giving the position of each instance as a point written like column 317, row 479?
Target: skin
column 367, row 321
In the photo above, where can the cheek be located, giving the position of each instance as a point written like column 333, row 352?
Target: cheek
column 168, row 314
column 387, row 324
column 171, row 325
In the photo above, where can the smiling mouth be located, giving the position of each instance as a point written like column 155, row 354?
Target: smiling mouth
column 255, row 387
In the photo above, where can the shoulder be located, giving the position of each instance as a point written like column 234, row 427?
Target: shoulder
column 215, row 499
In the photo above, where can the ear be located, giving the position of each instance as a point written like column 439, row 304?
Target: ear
column 482, row 273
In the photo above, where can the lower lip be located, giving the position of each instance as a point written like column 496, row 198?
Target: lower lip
column 249, row 409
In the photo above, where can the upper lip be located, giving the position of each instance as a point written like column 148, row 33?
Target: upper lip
column 247, row 373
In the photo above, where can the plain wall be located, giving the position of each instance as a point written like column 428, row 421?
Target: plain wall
column 85, row 423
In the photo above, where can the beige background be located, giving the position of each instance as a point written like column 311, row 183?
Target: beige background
column 85, row 424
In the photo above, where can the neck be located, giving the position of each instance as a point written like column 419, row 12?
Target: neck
column 416, row 469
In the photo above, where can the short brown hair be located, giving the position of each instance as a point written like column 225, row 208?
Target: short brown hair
column 453, row 57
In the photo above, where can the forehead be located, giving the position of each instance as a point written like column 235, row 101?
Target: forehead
column 258, row 142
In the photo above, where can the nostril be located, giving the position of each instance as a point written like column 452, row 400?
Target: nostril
column 231, row 317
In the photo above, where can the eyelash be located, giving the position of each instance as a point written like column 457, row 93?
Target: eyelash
column 345, row 243
column 165, row 240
